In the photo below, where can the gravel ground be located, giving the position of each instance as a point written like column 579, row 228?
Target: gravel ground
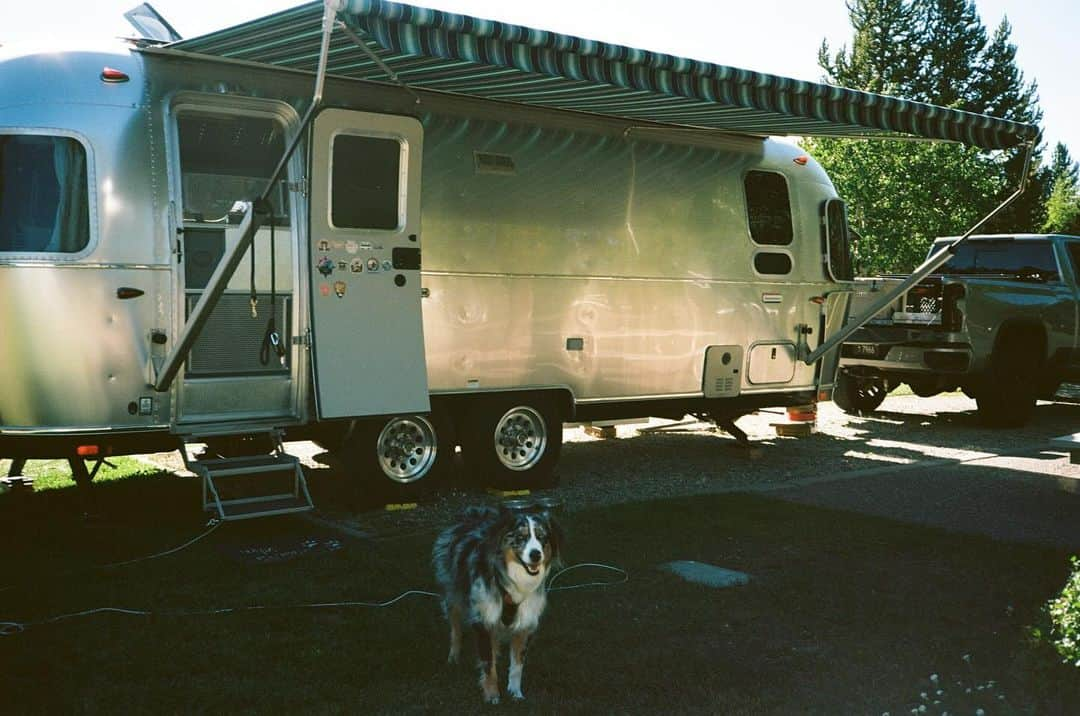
column 662, row 459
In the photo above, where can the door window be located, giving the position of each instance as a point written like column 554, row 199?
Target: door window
column 365, row 184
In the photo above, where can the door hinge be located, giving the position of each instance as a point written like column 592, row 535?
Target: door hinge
column 303, row 339
column 300, row 186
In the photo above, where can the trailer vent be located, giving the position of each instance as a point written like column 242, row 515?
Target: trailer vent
column 231, row 339
column 488, row 163
column 723, row 371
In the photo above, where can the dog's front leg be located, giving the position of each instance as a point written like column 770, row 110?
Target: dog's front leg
column 518, row 643
column 453, row 615
column 485, row 650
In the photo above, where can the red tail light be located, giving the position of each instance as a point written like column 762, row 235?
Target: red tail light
column 952, row 318
column 87, row 450
column 113, row 76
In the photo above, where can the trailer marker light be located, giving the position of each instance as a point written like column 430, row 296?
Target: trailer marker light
column 87, row 450
column 113, row 76
column 819, row 300
column 801, row 160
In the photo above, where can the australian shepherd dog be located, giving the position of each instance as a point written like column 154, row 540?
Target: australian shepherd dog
column 492, row 566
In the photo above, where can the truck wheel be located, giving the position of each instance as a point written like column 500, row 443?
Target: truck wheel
column 1006, row 399
column 401, row 457
column 513, row 443
column 859, row 393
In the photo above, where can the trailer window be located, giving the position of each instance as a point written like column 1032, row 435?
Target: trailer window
column 44, row 195
column 228, row 158
column 772, row 263
column 366, row 175
column 768, row 208
column 837, row 242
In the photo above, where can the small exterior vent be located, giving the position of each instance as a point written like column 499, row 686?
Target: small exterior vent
column 724, row 386
column 723, row 371
column 488, row 163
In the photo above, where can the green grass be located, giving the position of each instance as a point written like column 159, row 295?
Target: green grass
column 53, row 474
column 843, row 614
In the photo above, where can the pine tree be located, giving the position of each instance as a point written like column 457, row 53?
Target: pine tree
column 1002, row 92
column 902, row 195
column 951, row 36
column 881, row 58
column 1062, row 165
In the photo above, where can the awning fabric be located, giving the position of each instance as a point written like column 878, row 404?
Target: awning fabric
column 455, row 53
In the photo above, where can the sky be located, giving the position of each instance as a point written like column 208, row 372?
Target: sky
column 780, row 37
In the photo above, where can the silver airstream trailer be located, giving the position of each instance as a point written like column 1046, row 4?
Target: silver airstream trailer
column 471, row 234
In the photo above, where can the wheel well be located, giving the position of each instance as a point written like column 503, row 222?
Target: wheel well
column 1021, row 336
column 458, row 404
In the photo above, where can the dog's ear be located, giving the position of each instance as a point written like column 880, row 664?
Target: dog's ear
column 478, row 514
column 556, row 537
column 504, row 520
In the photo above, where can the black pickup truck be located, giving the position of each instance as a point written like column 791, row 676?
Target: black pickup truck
column 1000, row 321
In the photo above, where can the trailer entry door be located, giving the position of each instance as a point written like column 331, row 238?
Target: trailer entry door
column 368, row 341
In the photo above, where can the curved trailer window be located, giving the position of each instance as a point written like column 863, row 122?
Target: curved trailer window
column 768, row 208
column 44, row 202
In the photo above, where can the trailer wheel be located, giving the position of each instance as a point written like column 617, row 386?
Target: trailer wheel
column 402, row 457
column 513, row 444
column 859, row 393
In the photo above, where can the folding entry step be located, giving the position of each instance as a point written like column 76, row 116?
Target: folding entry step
column 240, row 488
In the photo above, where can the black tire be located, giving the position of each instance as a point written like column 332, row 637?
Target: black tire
column 926, row 387
column 512, row 442
column 859, row 393
column 402, row 457
column 1006, row 398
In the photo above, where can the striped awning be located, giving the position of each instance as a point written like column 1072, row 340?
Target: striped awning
column 448, row 52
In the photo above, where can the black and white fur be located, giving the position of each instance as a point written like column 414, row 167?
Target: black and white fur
column 492, row 566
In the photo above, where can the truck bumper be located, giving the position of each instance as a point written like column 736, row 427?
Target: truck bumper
column 907, row 358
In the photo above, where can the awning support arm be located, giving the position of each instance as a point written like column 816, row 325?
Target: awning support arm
column 928, row 267
column 359, row 42
column 254, row 217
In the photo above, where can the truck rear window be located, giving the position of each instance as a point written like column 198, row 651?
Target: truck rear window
column 44, row 205
column 1021, row 259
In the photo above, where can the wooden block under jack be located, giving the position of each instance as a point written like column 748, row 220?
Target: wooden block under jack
column 794, row 430
column 508, row 493
column 604, row 432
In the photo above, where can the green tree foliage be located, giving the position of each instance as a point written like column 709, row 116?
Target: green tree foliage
column 900, row 194
column 1062, row 165
column 1064, row 611
column 1063, row 208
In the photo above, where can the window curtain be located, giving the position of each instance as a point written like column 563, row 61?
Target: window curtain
column 70, row 232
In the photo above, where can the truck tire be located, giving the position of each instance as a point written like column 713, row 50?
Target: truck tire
column 402, row 457
column 1006, row 397
column 513, row 442
column 856, row 394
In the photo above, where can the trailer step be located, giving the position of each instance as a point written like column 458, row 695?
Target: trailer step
column 240, row 488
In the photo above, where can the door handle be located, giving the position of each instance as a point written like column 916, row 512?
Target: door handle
column 125, row 292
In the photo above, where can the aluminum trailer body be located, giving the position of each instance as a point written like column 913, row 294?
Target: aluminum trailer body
column 610, row 265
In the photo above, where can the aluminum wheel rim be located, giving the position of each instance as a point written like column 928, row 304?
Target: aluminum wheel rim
column 520, row 438
column 407, row 448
